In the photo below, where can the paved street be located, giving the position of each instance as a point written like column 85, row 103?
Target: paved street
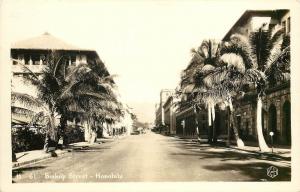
column 153, row 157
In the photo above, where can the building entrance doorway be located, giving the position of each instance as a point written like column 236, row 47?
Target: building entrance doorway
column 286, row 123
column 273, row 122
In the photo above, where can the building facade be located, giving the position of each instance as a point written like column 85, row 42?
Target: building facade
column 170, row 114
column 187, row 120
column 276, row 114
column 251, row 20
column 32, row 54
column 159, row 109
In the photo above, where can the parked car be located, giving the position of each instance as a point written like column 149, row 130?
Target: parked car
column 135, row 132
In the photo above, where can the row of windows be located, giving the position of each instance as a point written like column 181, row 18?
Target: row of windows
column 25, row 74
column 36, row 59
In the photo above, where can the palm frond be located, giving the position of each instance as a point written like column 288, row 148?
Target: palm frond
column 40, row 118
column 278, row 68
column 261, row 46
column 26, row 100
column 276, row 36
column 285, row 42
column 240, row 45
column 20, row 111
column 234, row 62
column 25, row 68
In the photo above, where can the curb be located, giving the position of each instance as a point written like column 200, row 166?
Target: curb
column 19, row 164
column 249, row 151
column 259, row 152
column 48, row 156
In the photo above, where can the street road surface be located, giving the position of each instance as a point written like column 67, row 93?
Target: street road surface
column 153, row 157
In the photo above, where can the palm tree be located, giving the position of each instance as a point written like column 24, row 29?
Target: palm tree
column 211, row 82
column 194, row 84
column 94, row 93
column 263, row 58
column 224, row 89
column 67, row 90
column 25, row 106
column 33, row 109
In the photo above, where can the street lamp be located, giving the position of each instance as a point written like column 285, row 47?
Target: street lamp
column 272, row 134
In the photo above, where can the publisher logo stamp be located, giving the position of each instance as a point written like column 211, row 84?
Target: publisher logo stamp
column 272, row 171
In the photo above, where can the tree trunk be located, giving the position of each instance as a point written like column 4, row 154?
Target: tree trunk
column 197, row 125
column 62, row 127
column 228, row 127
column 51, row 135
column 239, row 141
column 86, row 131
column 213, row 126
column 53, row 128
column 14, row 157
column 93, row 132
column 93, row 136
column 211, row 120
column 261, row 140
column 89, row 130
column 209, row 124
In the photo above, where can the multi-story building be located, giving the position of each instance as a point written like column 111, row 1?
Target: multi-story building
column 187, row 119
column 251, row 20
column 276, row 103
column 170, row 114
column 276, row 114
column 159, row 111
column 157, row 114
column 32, row 54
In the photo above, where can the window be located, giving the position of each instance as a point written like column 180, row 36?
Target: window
column 35, row 59
column 73, row 60
column 82, row 58
column 283, row 24
column 43, row 59
column 20, row 59
column 27, row 59
column 288, row 25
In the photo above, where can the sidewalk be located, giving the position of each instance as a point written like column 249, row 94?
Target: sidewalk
column 28, row 157
column 278, row 151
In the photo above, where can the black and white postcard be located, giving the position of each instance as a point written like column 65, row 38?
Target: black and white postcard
column 149, row 95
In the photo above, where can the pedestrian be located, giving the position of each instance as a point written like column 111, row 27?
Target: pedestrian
column 114, row 132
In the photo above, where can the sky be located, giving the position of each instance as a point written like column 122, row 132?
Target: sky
column 145, row 43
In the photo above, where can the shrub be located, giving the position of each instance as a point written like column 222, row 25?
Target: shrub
column 74, row 134
column 24, row 139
